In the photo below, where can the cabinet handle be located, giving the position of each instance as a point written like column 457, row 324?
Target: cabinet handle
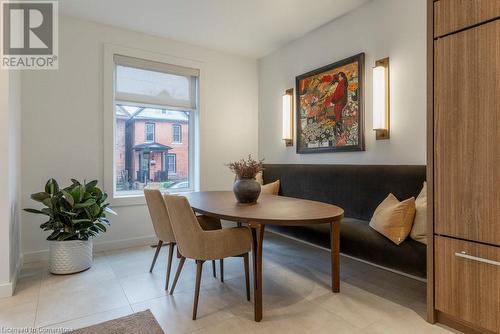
column 475, row 258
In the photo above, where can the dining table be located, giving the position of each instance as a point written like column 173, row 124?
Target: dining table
column 272, row 210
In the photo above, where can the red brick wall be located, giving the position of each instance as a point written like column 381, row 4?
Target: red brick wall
column 164, row 136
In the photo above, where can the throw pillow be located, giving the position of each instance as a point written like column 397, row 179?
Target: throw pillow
column 259, row 178
column 393, row 218
column 419, row 229
column 270, row 188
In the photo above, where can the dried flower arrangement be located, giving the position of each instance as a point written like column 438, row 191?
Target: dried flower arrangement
column 246, row 169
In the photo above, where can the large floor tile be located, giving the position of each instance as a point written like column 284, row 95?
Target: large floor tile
column 99, row 271
column 142, row 287
column 174, row 313
column 20, row 309
column 66, row 304
column 135, row 261
column 90, row 320
column 188, row 276
column 358, row 307
column 18, row 315
column 297, row 295
column 299, row 317
column 240, row 325
column 304, row 317
column 405, row 321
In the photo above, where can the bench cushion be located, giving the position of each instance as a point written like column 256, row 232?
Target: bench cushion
column 358, row 189
column 357, row 239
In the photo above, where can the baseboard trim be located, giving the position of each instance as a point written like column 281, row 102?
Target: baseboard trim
column 7, row 289
column 125, row 243
column 352, row 257
column 43, row 255
column 36, row 256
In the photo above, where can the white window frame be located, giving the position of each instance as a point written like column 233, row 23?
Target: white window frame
column 175, row 162
column 110, row 123
column 146, row 132
column 173, row 133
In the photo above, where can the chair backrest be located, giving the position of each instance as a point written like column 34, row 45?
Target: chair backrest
column 187, row 230
column 159, row 215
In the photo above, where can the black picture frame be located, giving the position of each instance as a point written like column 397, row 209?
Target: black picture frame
column 303, row 149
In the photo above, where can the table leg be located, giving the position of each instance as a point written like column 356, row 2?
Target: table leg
column 335, row 250
column 257, row 239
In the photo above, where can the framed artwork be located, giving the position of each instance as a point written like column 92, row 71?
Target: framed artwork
column 330, row 107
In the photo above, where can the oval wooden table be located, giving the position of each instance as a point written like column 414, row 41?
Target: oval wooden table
column 271, row 210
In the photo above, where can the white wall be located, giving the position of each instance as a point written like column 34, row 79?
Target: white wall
column 10, row 113
column 62, row 131
column 15, row 174
column 380, row 28
column 4, row 174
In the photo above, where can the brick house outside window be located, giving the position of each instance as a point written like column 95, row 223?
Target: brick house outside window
column 144, row 143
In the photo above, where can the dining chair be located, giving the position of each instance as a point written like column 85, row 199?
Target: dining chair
column 195, row 243
column 163, row 229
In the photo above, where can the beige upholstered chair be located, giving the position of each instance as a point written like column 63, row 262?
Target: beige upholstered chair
column 200, row 245
column 163, row 229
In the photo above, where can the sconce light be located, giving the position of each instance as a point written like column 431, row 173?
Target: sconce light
column 287, row 135
column 381, row 100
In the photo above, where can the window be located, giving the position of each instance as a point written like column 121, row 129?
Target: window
column 171, row 163
column 151, row 100
column 176, row 133
column 149, row 135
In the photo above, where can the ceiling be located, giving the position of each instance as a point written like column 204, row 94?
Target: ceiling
column 252, row 28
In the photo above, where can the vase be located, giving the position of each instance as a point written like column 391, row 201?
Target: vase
column 246, row 190
column 68, row 257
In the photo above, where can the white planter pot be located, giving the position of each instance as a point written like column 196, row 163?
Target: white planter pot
column 68, row 257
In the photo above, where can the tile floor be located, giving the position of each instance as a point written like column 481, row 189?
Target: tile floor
column 297, row 297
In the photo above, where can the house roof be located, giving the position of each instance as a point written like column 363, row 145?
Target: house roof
column 132, row 112
column 152, row 147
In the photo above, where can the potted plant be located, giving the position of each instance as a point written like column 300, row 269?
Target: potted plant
column 75, row 214
column 246, row 188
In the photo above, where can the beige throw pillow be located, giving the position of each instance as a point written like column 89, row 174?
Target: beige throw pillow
column 270, row 188
column 259, row 178
column 393, row 218
column 419, row 229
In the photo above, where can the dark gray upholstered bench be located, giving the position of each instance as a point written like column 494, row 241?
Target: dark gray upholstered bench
column 358, row 189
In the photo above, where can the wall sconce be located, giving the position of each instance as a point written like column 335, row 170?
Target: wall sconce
column 381, row 102
column 287, row 135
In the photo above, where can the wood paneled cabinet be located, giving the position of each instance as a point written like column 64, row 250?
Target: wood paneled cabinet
column 467, row 134
column 464, row 163
column 454, row 15
column 467, row 281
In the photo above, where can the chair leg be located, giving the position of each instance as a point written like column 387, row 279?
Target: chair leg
column 199, row 269
column 177, row 274
column 213, row 268
column 221, row 270
column 169, row 263
column 247, row 274
column 158, row 247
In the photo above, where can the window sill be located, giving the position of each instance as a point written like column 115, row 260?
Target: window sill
column 133, row 200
